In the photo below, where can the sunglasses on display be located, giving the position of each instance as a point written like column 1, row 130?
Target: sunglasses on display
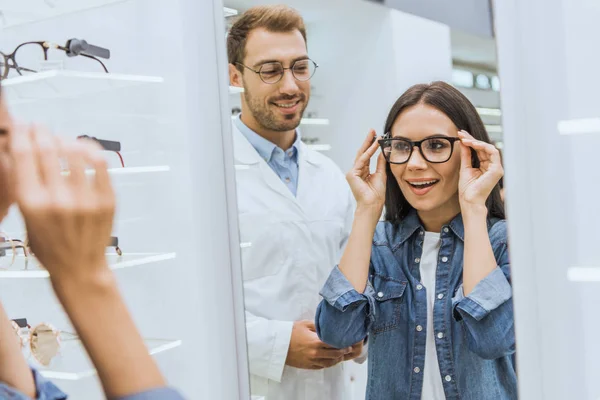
column 436, row 149
column 9, row 250
column 29, row 56
column 107, row 145
column 44, row 341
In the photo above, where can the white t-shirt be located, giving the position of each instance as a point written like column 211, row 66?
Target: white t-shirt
column 433, row 388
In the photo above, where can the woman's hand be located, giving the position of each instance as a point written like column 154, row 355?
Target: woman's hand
column 368, row 188
column 68, row 218
column 476, row 184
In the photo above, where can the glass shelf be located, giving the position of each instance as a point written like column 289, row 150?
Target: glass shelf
column 319, row 147
column 17, row 270
column 18, row 12
column 229, row 12
column 132, row 170
column 55, row 84
column 73, row 363
column 307, row 121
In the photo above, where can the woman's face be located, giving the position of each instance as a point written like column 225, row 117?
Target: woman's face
column 439, row 199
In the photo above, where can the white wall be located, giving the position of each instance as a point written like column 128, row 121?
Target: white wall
column 369, row 55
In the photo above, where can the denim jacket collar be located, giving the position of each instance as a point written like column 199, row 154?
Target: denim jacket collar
column 411, row 224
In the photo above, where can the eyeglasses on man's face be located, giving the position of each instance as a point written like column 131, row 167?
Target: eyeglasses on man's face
column 272, row 72
column 29, row 56
column 436, row 150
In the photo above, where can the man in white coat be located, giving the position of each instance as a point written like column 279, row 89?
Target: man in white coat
column 295, row 210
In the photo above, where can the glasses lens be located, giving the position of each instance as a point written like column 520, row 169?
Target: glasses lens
column 396, row 151
column 3, row 66
column 271, row 72
column 304, row 69
column 7, row 253
column 437, row 150
column 17, row 330
column 45, row 343
column 29, row 58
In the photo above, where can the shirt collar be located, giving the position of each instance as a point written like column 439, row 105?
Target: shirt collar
column 411, row 223
column 265, row 148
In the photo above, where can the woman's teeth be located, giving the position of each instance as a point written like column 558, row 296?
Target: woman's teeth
column 423, row 184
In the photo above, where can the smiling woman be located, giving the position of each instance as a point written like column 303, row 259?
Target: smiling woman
column 430, row 285
column 425, row 111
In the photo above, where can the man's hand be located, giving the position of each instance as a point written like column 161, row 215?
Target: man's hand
column 308, row 352
column 356, row 351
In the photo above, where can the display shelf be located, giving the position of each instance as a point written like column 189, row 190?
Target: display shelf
column 229, row 12
column 579, row 126
column 307, row 121
column 72, row 363
column 236, row 89
column 128, row 170
column 314, row 121
column 319, row 147
column 20, row 270
column 25, row 11
column 584, row 274
column 56, row 84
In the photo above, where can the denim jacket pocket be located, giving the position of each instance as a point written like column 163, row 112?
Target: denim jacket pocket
column 388, row 300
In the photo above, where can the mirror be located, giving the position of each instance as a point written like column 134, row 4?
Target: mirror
column 382, row 276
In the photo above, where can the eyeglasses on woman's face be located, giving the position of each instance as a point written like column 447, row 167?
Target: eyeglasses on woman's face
column 435, row 149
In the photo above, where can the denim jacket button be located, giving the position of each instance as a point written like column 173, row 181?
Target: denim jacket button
column 446, row 230
column 419, row 328
column 419, row 287
column 441, row 296
column 440, row 335
column 417, row 260
column 444, row 259
column 380, row 294
column 417, row 370
column 448, row 378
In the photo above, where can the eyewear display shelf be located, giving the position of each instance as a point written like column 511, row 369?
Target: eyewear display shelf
column 37, row 89
column 54, row 84
column 22, row 269
column 72, row 363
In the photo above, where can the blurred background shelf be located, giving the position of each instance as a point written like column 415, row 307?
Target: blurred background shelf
column 128, row 260
column 18, row 12
column 72, row 363
column 56, row 84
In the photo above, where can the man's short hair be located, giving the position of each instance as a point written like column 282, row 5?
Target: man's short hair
column 273, row 18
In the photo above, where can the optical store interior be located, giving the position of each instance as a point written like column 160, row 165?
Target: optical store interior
column 299, row 199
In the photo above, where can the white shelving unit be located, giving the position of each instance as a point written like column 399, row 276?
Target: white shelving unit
column 19, row 12
column 229, row 12
column 48, row 85
column 73, row 363
column 21, row 269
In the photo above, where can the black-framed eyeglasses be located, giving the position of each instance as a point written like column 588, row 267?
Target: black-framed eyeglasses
column 272, row 72
column 436, row 149
column 27, row 57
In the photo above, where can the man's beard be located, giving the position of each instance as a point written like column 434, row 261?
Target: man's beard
column 267, row 118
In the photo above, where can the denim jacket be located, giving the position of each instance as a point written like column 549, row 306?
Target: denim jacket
column 474, row 334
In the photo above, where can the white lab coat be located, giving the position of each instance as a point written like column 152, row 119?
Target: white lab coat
column 289, row 247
